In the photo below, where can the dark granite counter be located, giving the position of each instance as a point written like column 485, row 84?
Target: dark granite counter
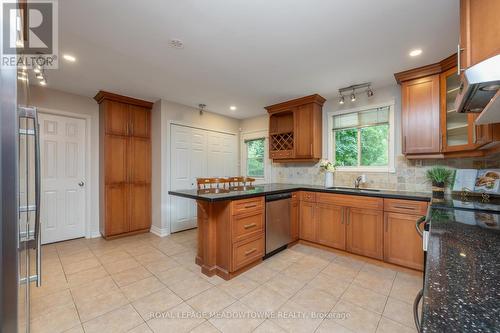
column 261, row 190
column 462, row 278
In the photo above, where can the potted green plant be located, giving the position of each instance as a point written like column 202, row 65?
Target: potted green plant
column 439, row 177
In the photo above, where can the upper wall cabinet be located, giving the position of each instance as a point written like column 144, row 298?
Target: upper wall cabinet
column 479, row 31
column 295, row 130
column 431, row 127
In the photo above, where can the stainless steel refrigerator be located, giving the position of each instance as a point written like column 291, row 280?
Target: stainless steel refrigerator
column 20, row 201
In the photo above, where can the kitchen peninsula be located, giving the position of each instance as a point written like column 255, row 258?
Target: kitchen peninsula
column 231, row 224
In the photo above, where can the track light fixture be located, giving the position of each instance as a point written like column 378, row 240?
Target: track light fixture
column 352, row 89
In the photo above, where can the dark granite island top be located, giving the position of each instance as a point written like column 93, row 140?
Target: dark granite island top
column 265, row 189
column 462, row 278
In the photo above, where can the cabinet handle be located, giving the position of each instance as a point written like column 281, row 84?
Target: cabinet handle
column 251, row 206
column 251, row 225
column 250, row 251
column 459, row 66
column 404, row 207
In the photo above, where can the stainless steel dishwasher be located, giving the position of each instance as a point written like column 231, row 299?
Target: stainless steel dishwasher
column 277, row 222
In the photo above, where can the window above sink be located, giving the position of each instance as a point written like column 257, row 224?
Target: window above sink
column 362, row 139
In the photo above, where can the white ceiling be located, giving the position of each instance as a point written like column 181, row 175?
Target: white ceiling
column 246, row 53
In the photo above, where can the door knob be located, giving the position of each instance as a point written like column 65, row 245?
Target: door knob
column 81, row 183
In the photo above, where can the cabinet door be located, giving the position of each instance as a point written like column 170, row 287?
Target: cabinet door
column 331, row 227
column 479, row 26
column 115, row 159
column 116, row 209
column 139, row 160
column 307, row 225
column 303, row 118
column 365, row 232
column 294, row 220
column 116, row 118
column 140, row 206
column 420, row 115
column 402, row 244
column 140, row 123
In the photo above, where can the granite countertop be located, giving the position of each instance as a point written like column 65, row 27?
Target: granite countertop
column 462, row 278
column 265, row 189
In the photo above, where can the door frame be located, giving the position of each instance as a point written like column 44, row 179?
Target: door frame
column 169, row 168
column 88, row 163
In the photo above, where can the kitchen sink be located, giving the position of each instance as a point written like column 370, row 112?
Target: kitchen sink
column 353, row 189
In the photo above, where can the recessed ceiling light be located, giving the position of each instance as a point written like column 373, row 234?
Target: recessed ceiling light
column 69, row 57
column 232, row 108
column 416, row 52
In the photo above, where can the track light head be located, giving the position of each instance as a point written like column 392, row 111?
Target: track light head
column 341, row 99
column 353, row 96
column 369, row 92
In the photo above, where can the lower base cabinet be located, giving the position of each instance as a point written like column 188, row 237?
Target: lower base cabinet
column 382, row 229
column 330, row 225
column 307, row 225
column 402, row 245
column 365, row 234
column 294, row 220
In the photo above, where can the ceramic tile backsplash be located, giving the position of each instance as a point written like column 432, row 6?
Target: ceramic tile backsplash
column 409, row 175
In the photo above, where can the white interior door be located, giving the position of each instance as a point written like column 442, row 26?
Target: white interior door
column 63, row 199
column 196, row 153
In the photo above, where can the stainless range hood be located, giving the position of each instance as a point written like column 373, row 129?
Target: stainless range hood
column 480, row 84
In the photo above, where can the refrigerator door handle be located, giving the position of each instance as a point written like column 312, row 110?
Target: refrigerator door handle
column 38, row 189
column 31, row 113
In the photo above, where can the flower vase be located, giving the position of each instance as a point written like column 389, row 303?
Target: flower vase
column 328, row 179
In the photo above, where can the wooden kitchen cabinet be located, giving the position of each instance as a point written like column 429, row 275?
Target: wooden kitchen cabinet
column 295, row 130
column 479, row 31
column 459, row 133
column 402, row 244
column 365, row 232
column 330, row 226
column 294, row 218
column 125, row 164
column 420, row 116
column 307, row 225
column 431, row 127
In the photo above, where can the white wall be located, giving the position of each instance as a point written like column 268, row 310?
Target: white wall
column 164, row 114
column 57, row 102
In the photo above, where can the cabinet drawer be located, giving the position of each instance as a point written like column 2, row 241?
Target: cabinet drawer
column 244, row 206
column 247, row 225
column 405, row 206
column 347, row 200
column 281, row 154
column 308, row 196
column 247, row 251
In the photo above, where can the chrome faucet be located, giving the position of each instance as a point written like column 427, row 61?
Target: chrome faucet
column 357, row 181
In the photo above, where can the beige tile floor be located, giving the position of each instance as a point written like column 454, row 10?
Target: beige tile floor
column 145, row 283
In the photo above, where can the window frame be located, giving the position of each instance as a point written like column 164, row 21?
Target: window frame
column 391, row 140
column 255, row 135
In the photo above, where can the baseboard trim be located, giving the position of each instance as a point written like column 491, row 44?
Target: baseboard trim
column 160, row 232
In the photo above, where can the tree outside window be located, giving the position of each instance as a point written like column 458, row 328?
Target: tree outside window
column 255, row 157
column 361, row 139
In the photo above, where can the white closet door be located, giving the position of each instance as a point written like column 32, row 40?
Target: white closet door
column 196, row 153
column 62, row 159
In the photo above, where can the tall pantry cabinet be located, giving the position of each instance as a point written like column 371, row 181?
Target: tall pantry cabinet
column 124, row 164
